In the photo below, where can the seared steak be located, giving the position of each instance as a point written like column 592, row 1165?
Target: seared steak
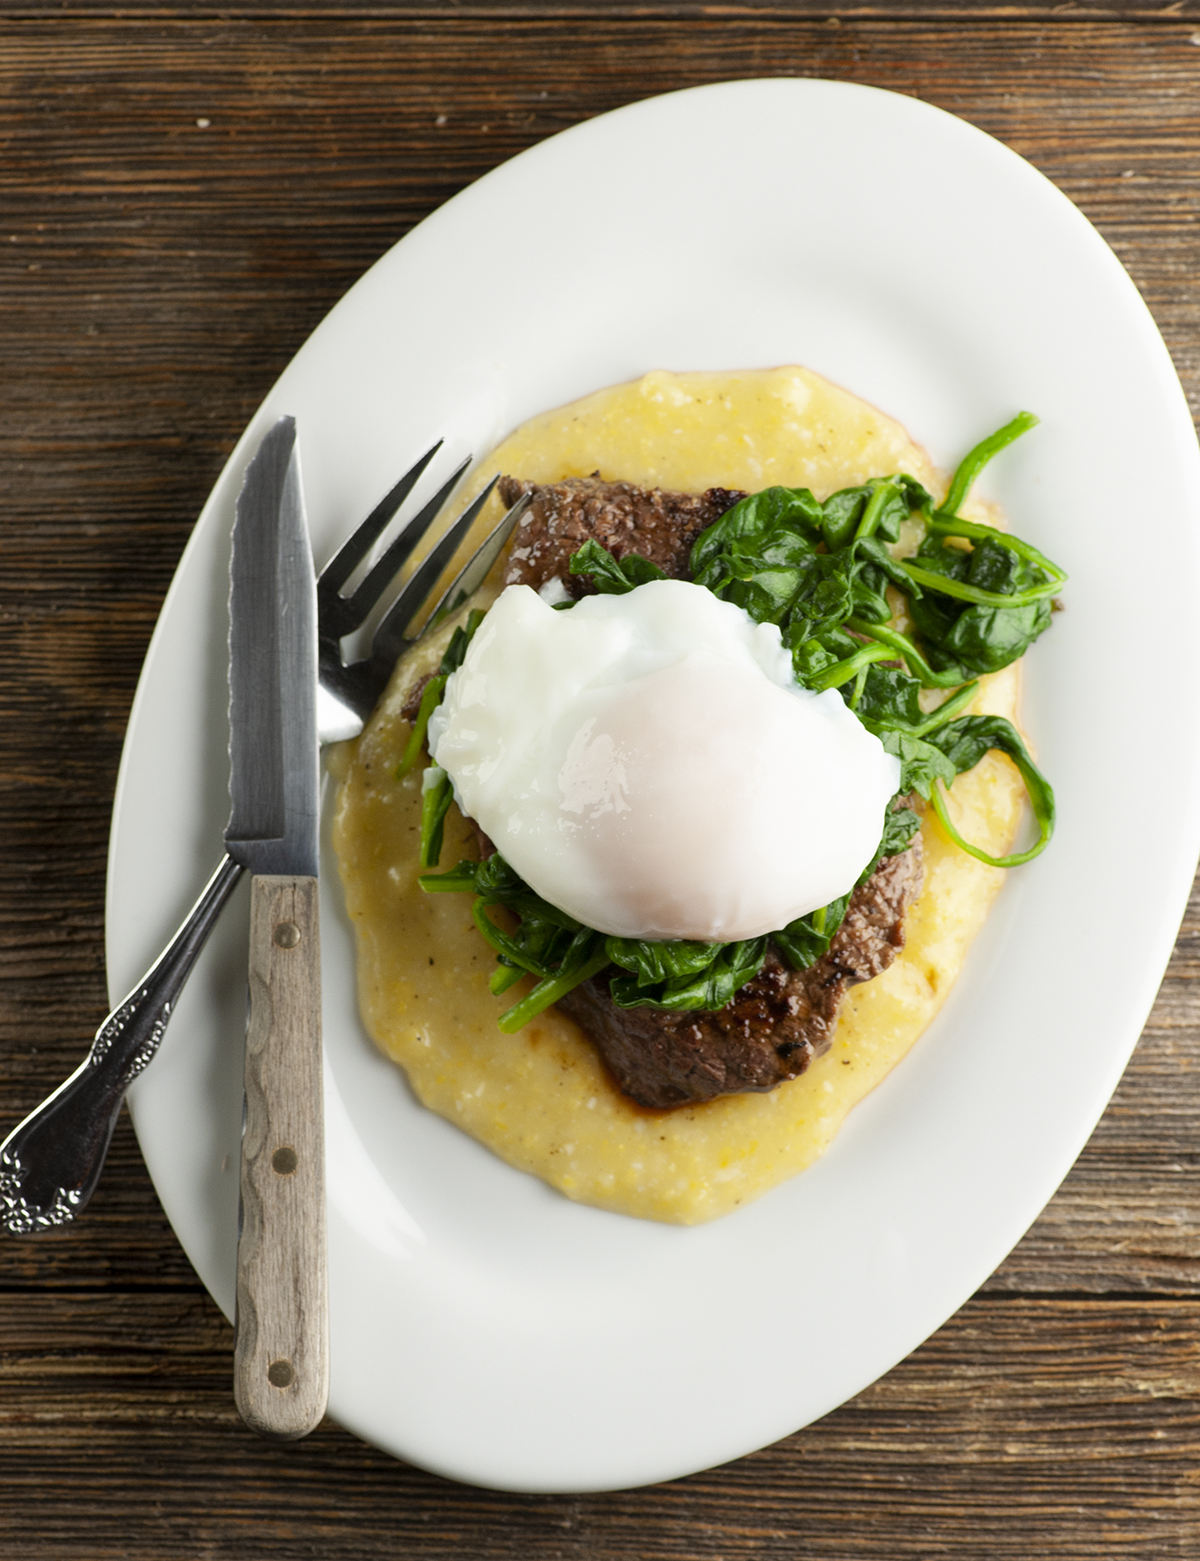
column 659, row 525
column 774, row 1026
column 784, row 1018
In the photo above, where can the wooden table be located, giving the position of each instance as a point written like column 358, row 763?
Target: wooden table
column 184, row 192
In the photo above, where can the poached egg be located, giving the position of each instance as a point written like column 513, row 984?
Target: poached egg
column 649, row 764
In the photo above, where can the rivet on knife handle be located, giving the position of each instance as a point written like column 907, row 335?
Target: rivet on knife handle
column 281, row 1356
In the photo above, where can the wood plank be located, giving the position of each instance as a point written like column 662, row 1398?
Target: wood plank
column 971, row 1448
column 1060, row 13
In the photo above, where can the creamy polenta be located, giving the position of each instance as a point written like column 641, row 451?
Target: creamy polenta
column 541, row 1099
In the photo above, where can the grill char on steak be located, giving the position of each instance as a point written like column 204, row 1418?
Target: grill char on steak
column 777, row 1023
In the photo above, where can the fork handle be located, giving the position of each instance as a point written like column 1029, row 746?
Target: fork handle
column 281, row 1354
column 50, row 1163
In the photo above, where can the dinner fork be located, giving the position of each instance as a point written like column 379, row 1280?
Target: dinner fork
column 51, row 1162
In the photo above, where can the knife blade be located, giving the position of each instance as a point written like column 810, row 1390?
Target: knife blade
column 281, row 1351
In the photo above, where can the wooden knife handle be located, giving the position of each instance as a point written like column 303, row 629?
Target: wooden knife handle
column 281, row 1354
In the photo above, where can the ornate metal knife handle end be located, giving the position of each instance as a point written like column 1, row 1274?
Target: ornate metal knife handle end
column 51, row 1162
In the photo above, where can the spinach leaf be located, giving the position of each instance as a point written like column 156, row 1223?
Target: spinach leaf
column 711, row 987
column 768, row 585
column 980, row 608
column 803, row 941
column 932, row 612
column 890, row 694
column 982, row 638
column 847, row 513
column 786, row 559
column 988, row 638
column 942, row 523
column 840, row 515
column 499, row 884
column 753, row 524
column 899, row 827
column 678, row 976
column 655, row 963
column 872, row 551
column 840, row 586
column 823, row 600
column 813, row 655
column 854, row 666
column 921, row 761
column 761, row 554
column 963, row 591
column 552, row 946
column 886, row 509
column 613, row 576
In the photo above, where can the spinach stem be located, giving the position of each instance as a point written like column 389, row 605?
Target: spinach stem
column 950, row 526
column 502, row 978
column 500, row 941
column 436, row 798
column 874, row 509
column 842, row 671
column 1015, row 860
column 904, row 647
column 975, row 460
column 973, row 593
column 549, row 991
column 947, row 711
column 416, row 739
column 451, row 882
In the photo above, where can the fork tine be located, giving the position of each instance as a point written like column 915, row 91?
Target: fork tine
column 477, row 568
column 351, row 692
column 352, row 552
column 354, row 608
column 389, row 636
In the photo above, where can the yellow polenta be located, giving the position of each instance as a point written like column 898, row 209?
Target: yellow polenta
column 541, row 1098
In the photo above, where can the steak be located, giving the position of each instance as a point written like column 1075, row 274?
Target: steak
column 561, row 517
column 775, row 1025
column 778, row 1022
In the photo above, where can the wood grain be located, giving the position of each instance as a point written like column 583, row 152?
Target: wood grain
column 281, row 1344
column 155, row 275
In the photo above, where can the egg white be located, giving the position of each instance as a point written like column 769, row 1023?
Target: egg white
column 648, row 764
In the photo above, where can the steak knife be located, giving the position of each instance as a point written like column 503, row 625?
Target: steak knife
column 281, row 1353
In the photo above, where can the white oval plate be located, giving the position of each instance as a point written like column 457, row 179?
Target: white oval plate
column 482, row 1325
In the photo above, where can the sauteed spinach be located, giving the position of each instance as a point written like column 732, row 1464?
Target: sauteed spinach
column 829, row 576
